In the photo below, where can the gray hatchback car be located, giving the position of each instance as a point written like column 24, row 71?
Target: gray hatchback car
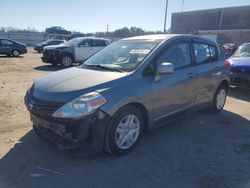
column 127, row 88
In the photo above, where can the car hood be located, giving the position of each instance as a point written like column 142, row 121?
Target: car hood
column 51, row 47
column 240, row 62
column 65, row 85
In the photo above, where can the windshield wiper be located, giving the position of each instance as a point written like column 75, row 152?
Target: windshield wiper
column 100, row 66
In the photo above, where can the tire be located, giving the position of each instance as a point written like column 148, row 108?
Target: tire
column 219, row 99
column 66, row 60
column 121, row 137
column 15, row 53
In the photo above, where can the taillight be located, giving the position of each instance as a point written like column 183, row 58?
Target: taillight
column 228, row 65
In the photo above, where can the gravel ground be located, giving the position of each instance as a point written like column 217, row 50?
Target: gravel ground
column 201, row 150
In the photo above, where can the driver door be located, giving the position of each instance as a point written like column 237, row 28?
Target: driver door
column 84, row 49
column 177, row 91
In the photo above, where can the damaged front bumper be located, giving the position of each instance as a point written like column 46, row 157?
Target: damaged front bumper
column 68, row 133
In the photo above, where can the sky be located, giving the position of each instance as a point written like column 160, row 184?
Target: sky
column 94, row 15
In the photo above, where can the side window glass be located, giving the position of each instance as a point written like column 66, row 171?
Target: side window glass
column 213, row 54
column 86, row 43
column 178, row 55
column 99, row 43
column 201, row 52
column 6, row 42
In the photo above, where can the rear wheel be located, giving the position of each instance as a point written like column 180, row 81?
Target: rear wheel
column 125, row 131
column 219, row 99
column 66, row 60
column 15, row 53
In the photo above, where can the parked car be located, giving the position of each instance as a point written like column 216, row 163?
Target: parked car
column 39, row 47
column 10, row 47
column 57, row 30
column 127, row 88
column 73, row 51
column 239, row 66
column 229, row 49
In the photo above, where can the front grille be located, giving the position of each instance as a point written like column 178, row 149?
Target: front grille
column 40, row 108
column 47, row 53
column 245, row 70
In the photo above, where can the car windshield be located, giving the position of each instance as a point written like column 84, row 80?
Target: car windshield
column 243, row 51
column 122, row 55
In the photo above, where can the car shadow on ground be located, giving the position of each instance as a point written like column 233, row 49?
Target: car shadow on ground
column 202, row 150
column 5, row 56
column 48, row 68
column 239, row 93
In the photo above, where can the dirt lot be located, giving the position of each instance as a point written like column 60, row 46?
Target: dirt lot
column 201, row 150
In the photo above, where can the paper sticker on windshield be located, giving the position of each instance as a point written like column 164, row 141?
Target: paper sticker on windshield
column 139, row 51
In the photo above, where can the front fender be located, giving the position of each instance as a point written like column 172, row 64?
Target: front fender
column 134, row 91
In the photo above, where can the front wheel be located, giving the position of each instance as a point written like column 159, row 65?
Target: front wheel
column 125, row 131
column 219, row 99
column 66, row 61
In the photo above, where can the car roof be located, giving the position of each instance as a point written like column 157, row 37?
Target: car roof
column 5, row 38
column 96, row 38
column 152, row 37
column 165, row 37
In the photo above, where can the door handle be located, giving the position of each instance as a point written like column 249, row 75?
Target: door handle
column 216, row 68
column 190, row 75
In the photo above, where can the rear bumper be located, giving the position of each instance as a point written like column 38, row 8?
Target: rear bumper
column 240, row 80
column 38, row 48
column 24, row 51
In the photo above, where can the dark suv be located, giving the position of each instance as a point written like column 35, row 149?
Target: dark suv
column 39, row 47
column 127, row 88
column 10, row 47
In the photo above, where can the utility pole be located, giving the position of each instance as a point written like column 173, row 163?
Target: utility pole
column 166, row 14
column 107, row 28
column 221, row 18
column 182, row 4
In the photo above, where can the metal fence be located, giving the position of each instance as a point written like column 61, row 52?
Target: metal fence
column 30, row 39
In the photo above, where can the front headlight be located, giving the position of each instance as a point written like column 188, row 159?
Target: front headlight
column 81, row 106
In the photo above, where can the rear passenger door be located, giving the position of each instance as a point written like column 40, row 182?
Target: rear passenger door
column 208, row 66
column 177, row 91
column 84, row 49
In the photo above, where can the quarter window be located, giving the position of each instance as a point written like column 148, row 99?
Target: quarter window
column 204, row 53
column 178, row 55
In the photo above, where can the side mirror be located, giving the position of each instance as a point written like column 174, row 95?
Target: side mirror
column 165, row 68
column 162, row 69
